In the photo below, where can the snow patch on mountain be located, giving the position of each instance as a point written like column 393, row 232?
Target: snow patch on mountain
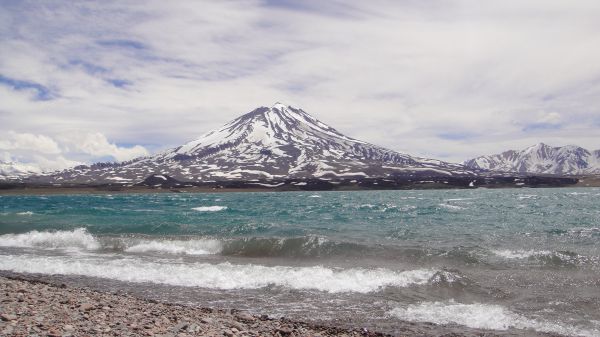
column 277, row 142
column 541, row 159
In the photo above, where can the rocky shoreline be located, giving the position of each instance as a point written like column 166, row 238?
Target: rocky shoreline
column 30, row 306
column 33, row 308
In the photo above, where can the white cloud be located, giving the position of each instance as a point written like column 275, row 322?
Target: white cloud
column 67, row 150
column 54, row 163
column 96, row 145
column 5, row 157
column 29, row 142
column 551, row 118
column 467, row 77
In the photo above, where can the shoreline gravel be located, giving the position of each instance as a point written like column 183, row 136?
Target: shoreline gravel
column 30, row 306
column 34, row 308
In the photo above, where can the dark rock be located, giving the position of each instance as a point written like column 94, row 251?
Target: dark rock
column 285, row 330
column 160, row 180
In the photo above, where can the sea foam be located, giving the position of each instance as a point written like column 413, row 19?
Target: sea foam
column 481, row 316
column 210, row 208
column 76, row 238
column 451, row 207
column 219, row 276
column 520, row 253
column 187, row 247
column 547, row 257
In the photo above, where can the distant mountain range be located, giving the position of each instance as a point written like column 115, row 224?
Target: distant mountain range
column 283, row 143
column 541, row 159
column 268, row 143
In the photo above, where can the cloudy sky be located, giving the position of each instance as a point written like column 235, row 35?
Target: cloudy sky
column 112, row 80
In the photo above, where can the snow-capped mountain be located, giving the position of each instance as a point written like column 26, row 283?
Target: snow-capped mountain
column 15, row 170
column 269, row 143
column 541, row 159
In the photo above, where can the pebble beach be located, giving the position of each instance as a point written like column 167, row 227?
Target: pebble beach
column 33, row 308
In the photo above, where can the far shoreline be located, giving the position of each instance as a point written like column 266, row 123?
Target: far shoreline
column 91, row 190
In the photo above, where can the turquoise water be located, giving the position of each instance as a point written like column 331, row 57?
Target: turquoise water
column 528, row 259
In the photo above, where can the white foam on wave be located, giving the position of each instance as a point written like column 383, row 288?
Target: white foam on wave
column 451, row 207
column 187, row 247
column 314, row 196
column 25, row 213
column 577, row 193
column 77, row 238
column 459, row 199
column 210, row 208
column 218, row 276
column 520, row 253
column 481, row 316
column 584, row 231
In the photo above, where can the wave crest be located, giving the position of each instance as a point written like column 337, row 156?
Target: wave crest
column 209, row 208
column 480, row 316
column 76, row 238
column 187, row 247
column 552, row 258
column 221, row 276
column 307, row 246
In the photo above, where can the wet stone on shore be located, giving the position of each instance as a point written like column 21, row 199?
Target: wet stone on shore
column 30, row 306
column 39, row 309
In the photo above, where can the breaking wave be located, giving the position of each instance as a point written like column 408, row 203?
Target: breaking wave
column 188, row 247
column 451, row 207
column 291, row 247
column 210, row 208
column 480, row 316
column 77, row 238
column 546, row 257
column 80, row 238
column 307, row 246
column 220, row 276
column 520, row 253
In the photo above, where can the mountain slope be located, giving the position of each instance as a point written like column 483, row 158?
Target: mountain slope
column 279, row 142
column 541, row 159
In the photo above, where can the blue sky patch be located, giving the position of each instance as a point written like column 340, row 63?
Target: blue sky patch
column 122, row 44
column 42, row 93
column 89, row 68
column 119, row 83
